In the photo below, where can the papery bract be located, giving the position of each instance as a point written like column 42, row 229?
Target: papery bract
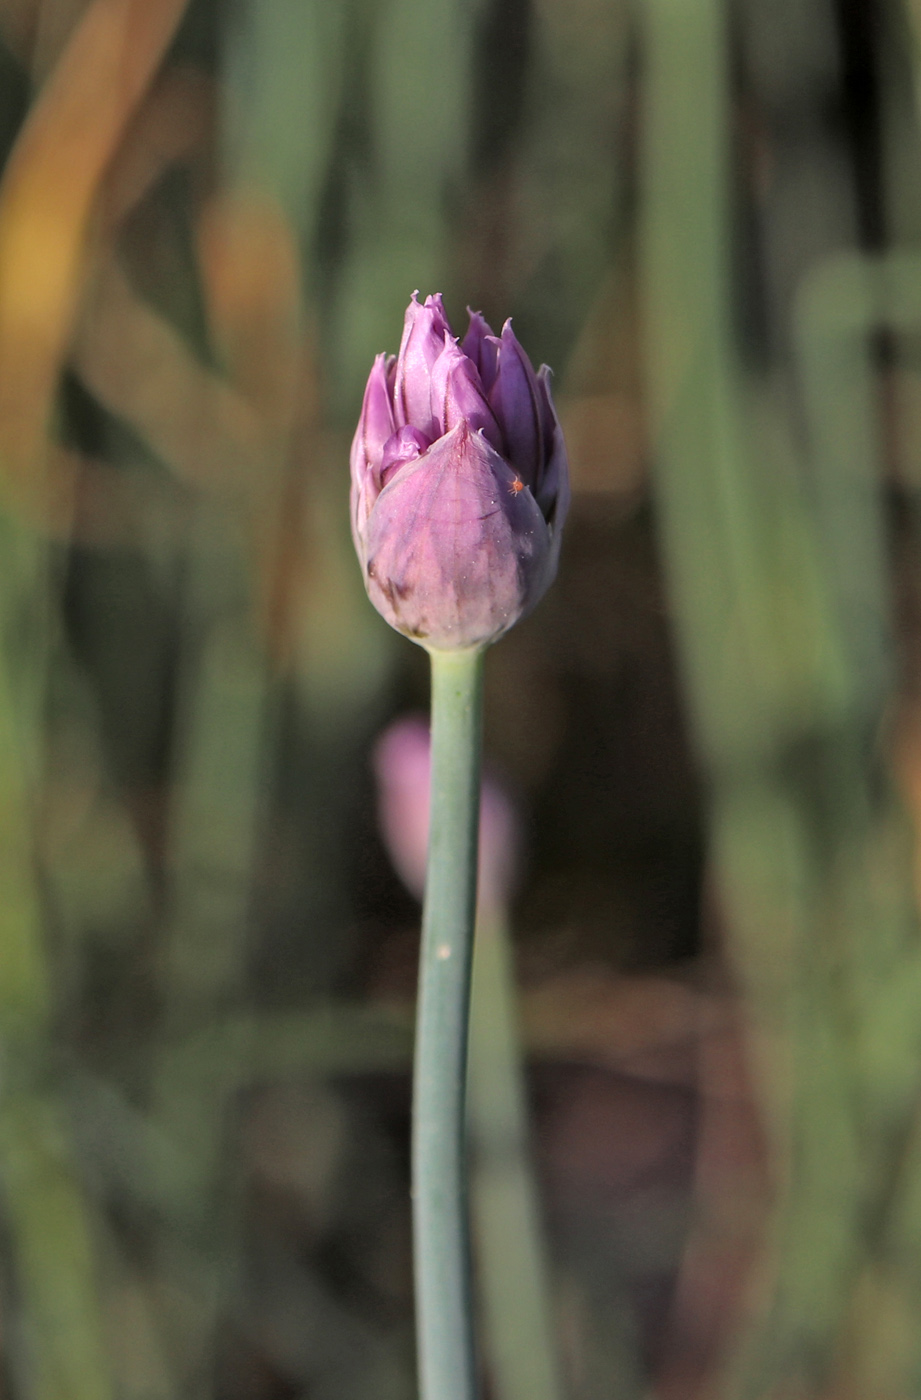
column 459, row 482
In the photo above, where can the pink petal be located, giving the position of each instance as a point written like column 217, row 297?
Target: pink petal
column 515, row 400
column 482, row 347
column 457, row 395
column 424, row 331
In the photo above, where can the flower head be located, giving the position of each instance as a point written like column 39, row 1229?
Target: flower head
column 460, row 484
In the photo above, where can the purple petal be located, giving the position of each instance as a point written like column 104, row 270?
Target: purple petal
column 424, row 331
column 516, row 401
column 404, row 446
column 457, row 395
column 454, row 556
column 482, row 347
column 376, row 422
column 548, row 418
column 375, row 426
column 552, row 492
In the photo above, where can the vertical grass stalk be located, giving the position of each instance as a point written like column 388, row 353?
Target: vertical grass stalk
column 54, row 1330
column 441, row 1242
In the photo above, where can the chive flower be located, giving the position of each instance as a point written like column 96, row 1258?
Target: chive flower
column 402, row 767
column 460, row 484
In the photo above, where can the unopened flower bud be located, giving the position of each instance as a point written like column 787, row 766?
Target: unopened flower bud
column 460, row 484
column 402, row 766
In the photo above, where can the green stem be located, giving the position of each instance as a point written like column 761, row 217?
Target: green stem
column 511, row 1263
column 442, row 1262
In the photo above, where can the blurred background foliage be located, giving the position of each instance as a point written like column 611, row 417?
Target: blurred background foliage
column 707, row 218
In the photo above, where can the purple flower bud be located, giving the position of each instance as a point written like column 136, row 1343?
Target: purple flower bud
column 402, row 766
column 460, row 484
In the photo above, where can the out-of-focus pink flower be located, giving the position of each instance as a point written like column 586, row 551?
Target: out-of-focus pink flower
column 402, row 766
column 460, row 484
